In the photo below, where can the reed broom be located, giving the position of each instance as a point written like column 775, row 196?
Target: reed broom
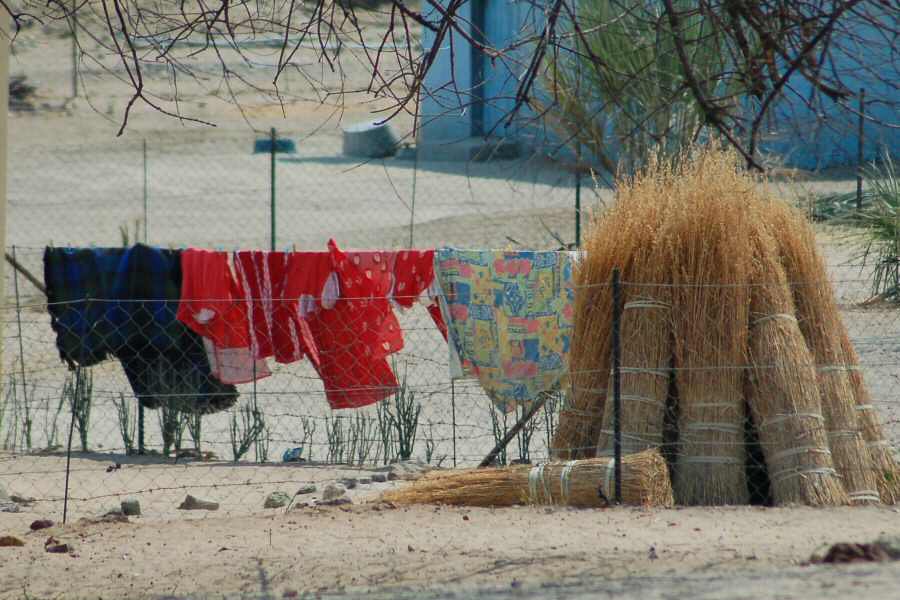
column 784, row 399
column 584, row 483
column 820, row 322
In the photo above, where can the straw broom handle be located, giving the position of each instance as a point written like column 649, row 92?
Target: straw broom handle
column 542, row 398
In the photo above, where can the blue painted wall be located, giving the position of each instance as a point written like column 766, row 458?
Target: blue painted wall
column 808, row 131
column 812, row 131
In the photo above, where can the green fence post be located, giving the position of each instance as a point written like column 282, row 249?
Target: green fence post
column 272, row 189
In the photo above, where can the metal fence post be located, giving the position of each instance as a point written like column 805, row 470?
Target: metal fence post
column 412, row 207
column 21, row 343
column 453, row 416
column 272, row 189
column 578, row 201
column 140, row 428
column 74, row 48
column 860, row 143
column 146, row 197
column 617, row 382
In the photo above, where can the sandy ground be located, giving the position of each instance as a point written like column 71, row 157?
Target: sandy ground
column 350, row 550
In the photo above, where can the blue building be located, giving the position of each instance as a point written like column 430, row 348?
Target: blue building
column 806, row 129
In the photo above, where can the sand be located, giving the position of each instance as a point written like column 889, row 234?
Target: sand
column 353, row 549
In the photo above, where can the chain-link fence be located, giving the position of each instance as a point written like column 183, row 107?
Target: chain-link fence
column 212, row 191
column 236, row 443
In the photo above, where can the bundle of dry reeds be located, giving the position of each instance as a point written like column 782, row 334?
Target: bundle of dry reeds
column 886, row 471
column 710, row 267
column 580, row 483
column 822, row 327
column 646, row 359
column 784, row 400
column 624, row 238
column 646, row 367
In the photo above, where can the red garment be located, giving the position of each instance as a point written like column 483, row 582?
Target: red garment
column 210, row 299
column 211, row 305
column 234, row 365
column 413, row 275
column 355, row 336
column 273, row 284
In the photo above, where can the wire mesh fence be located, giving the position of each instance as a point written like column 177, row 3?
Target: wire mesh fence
column 237, row 442
column 214, row 191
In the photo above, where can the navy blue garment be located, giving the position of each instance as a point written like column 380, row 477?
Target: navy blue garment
column 122, row 303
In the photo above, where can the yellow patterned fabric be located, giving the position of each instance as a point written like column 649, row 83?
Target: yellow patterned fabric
column 509, row 319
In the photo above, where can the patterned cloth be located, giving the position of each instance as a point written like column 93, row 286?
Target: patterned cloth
column 510, row 319
column 121, row 303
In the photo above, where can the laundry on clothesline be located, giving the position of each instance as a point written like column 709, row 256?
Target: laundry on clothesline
column 333, row 307
column 122, row 303
column 509, row 316
column 189, row 325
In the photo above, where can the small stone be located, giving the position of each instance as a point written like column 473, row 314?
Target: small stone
column 348, row 482
column 379, row 477
column 112, row 516
column 60, row 548
column 55, row 546
column 849, row 553
column 364, row 480
column 131, row 507
column 891, row 545
column 192, row 503
column 406, row 470
column 336, row 502
column 333, row 491
column 41, row 524
column 307, row 489
column 9, row 541
column 276, row 500
column 9, row 507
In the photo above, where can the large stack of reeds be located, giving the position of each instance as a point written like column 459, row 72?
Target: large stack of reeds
column 734, row 322
column 580, row 483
